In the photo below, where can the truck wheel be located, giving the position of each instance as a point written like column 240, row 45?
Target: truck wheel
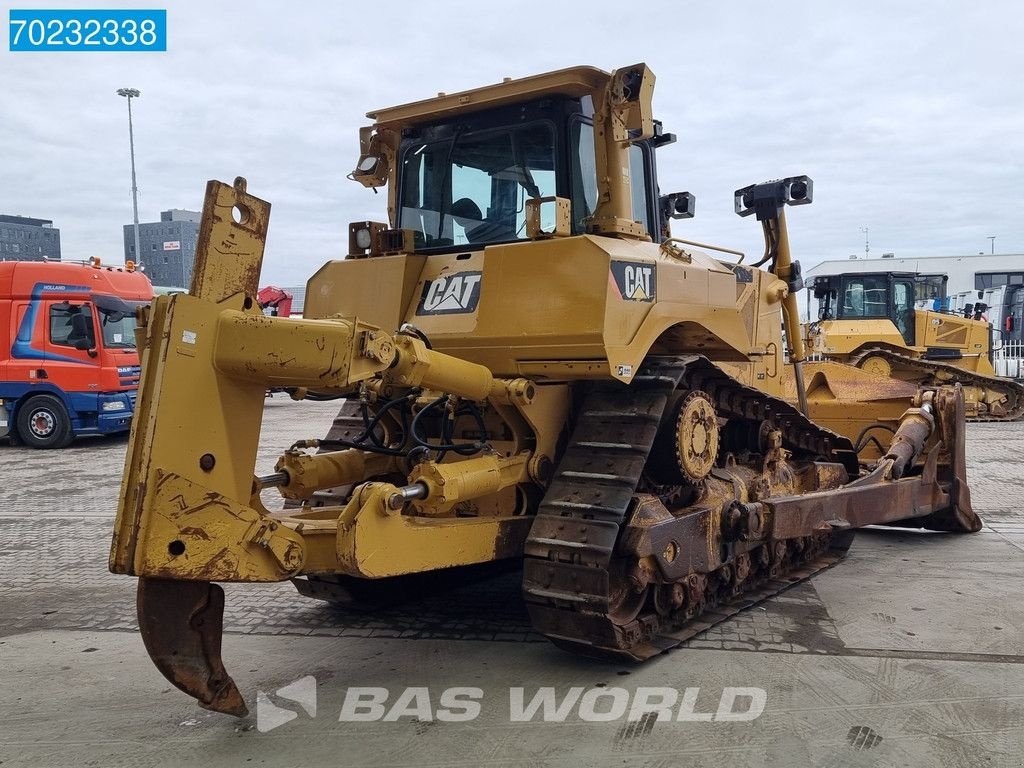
column 43, row 422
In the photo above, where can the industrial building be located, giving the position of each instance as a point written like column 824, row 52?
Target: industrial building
column 167, row 247
column 26, row 239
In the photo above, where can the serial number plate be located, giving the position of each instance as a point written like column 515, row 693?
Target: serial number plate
column 87, row 30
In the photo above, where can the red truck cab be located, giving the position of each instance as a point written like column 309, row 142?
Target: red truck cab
column 68, row 362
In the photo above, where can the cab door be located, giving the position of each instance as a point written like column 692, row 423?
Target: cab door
column 903, row 313
column 71, row 355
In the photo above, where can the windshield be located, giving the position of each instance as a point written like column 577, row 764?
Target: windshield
column 473, row 187
column 118, row 329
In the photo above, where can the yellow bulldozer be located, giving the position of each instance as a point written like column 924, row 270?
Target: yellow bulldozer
column 534, row 372
column 870, row 321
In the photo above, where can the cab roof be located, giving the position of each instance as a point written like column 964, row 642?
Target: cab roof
column 19, row 279
column 574, row 82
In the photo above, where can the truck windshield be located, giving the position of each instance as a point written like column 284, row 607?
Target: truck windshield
column 117, row 320
column 118, row 329
column 473, row 187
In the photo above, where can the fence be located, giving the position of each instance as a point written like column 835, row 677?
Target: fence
column 1008, row 358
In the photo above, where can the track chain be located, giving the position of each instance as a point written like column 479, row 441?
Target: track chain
column 1013, row 391
column 570, row 578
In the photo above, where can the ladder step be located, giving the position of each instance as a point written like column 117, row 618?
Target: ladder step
column 575, row 506
column 622, row 479
column 563, row 544
column 621, row 416
column 571, row 597
column 607, row 446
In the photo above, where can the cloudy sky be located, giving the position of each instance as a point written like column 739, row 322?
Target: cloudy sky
column 908, row 116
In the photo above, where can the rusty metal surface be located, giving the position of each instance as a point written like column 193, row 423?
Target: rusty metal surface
column 182, row 623
column 844, row 382
column 617, row 568
column 934, row 373
column 229, row 249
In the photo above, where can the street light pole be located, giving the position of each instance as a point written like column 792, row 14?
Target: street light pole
column 992, row 242
column 131, row 93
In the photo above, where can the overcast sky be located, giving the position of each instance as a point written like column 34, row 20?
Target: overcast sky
column 908, row 116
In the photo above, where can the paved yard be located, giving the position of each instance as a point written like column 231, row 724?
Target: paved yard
column 909, row 652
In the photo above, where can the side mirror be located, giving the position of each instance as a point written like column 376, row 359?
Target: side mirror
column 678, row 205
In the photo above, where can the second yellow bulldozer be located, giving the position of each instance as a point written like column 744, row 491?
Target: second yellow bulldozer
column 870, row 321
column 535, row 372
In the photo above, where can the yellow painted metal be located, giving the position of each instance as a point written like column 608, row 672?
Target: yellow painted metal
column 550, row 309
column 840, row 339
column 190, row 508
column 308, row 473
column 375, row 541
column 790, row 315
column 550, row 312
column 202, row 427
column 574, row 81
column 380, row 289
column 971, row 337
column 229, row 248
column 498, row 379
column 843, row 339
column 621, row 116
column 320, row 354
column 450, row 484
column 562, row 212
column 852, row 402
column 181, row 398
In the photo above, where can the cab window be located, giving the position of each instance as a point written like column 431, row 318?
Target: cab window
column 903, row 293
column 638, row 186
column 473, row 187
column 71, row 326
column 903, row 309
column 584, row 175
column 866, row 296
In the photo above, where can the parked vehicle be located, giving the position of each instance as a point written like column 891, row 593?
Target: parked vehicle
column 68, row 363
column 274, row 301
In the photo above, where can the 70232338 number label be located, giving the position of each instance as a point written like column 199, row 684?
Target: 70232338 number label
column 87, row 30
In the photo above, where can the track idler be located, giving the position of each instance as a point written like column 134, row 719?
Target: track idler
column 182, row 623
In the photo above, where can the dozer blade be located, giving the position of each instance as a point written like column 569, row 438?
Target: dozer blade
column 960, row 514
column 182, row 623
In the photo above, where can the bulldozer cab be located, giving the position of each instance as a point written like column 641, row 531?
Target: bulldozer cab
column 467, row 182
column 466, row 169
column 883, row 295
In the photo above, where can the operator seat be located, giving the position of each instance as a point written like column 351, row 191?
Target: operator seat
column 467, row 212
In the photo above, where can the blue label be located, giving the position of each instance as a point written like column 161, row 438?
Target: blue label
column 85, row 30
